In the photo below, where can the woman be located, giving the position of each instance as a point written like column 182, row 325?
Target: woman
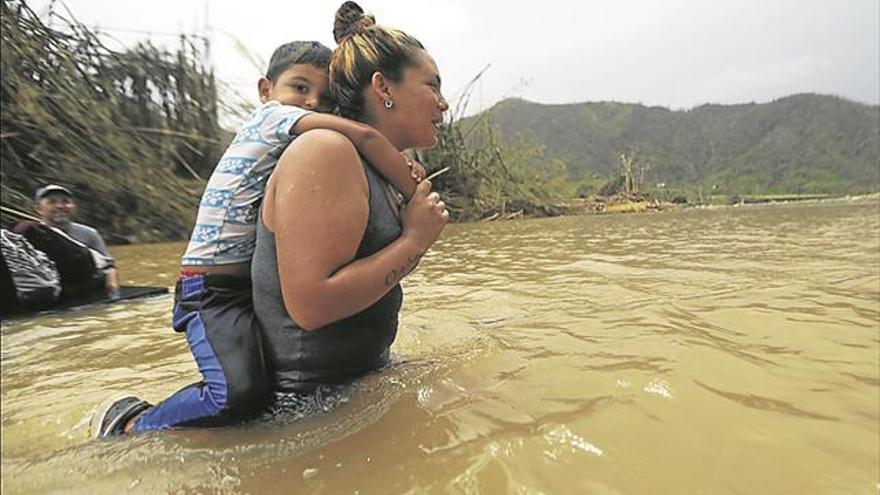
column 332, row 244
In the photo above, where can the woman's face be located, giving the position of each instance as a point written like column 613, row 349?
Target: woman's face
column 418, row 105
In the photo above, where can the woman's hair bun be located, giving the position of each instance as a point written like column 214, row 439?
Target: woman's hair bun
column 350, row 20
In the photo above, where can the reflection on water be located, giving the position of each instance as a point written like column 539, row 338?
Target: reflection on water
column 722, row 351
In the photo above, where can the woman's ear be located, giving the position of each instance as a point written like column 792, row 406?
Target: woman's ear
column 264, row 88
column 381, row 87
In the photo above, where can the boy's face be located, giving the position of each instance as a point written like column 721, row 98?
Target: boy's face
column 301, row 85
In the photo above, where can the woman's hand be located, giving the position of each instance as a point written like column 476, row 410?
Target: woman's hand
column 424, row 217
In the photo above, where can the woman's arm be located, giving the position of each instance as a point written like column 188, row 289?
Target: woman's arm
column 374, row 146
column 317, row 205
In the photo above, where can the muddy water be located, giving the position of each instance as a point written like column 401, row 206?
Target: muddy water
column 714, row 351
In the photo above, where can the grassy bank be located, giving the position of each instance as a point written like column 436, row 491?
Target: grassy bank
column 133, row 133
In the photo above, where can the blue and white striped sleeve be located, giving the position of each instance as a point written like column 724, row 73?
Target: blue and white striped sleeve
column 277, row 127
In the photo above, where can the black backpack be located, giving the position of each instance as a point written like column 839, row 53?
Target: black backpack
column 74, row 261
column 28, row 278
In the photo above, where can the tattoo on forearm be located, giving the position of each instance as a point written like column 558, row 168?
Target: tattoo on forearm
column 394, row 276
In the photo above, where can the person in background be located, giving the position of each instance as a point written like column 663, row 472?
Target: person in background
column 56, row 206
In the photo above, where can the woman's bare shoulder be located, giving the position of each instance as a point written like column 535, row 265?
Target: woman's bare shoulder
column 318, row 156
column 319, row 143
column 318, row 166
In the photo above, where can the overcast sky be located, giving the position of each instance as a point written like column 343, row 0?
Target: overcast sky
column 674, row 53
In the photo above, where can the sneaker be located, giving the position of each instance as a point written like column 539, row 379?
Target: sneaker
column 112, row 416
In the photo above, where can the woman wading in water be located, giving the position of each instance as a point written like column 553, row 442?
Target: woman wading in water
column 332, row 243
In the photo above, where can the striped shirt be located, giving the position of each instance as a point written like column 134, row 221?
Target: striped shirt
column 225, row 230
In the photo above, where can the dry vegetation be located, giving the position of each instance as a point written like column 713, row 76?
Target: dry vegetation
column 487, row 180
column 133, row 133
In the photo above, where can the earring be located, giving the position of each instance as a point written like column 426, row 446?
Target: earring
column 389, row 104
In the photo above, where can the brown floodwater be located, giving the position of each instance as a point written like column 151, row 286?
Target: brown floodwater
column 729, row 351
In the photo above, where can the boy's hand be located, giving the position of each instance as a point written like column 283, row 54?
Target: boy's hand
column 416, row 170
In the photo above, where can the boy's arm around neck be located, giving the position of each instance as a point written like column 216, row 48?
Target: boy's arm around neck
column 375, row 147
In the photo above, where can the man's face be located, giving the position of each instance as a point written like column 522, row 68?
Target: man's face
column 56, row 208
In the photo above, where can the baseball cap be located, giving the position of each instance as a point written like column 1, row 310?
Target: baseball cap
column 51, row 188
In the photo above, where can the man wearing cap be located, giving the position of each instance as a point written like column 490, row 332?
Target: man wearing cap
column 56, row 205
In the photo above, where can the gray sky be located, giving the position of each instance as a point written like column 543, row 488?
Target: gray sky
column 674, row 53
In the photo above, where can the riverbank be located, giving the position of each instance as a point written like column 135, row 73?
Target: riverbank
column 604, row 206
column 134, row 133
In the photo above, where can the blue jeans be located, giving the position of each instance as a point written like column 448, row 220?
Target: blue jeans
column 216, row 312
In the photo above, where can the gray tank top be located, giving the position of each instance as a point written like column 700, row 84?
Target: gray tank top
column 338, row 352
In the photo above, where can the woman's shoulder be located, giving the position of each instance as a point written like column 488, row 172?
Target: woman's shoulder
column 325, row 140
column 319, row 153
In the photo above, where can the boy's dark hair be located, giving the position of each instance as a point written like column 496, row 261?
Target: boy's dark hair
column 297, row 52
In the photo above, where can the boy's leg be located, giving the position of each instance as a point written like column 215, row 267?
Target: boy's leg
column 223, row 334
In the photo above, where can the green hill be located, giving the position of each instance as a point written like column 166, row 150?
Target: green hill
column 805, row 143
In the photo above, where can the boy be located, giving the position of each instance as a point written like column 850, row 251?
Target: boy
column 213, row 297
column 292, row 89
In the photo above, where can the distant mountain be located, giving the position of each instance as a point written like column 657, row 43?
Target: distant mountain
column 800, row 143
